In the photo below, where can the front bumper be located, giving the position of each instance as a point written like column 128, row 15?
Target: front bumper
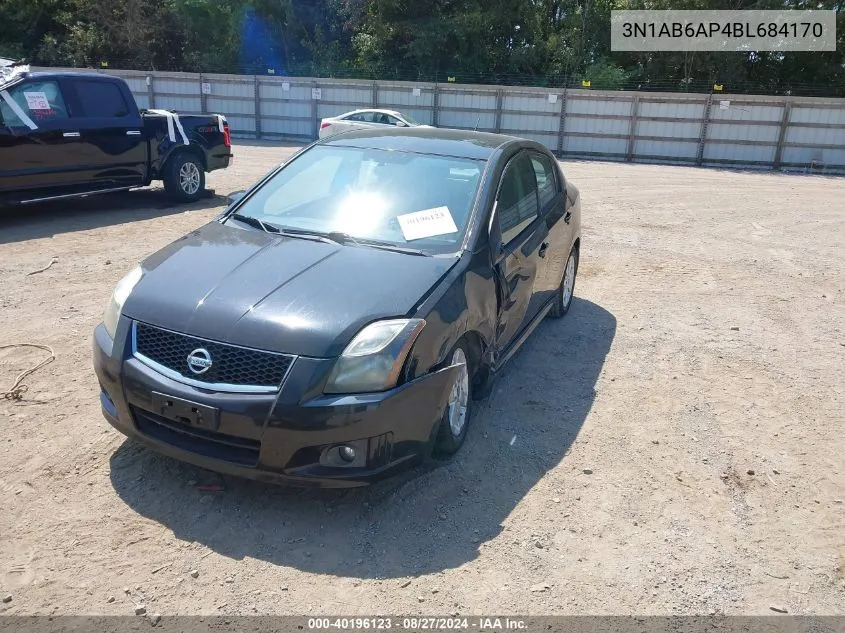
column 279, row 437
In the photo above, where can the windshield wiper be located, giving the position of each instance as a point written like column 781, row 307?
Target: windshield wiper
column 331, row 237
column 345, row 238
column 268, row 227
column 306, row 234
column 380, row 244
column 248, row 219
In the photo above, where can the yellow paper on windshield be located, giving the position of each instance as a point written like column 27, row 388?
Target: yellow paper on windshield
column 428, row 223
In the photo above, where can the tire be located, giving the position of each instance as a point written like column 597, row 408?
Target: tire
column 450, row 437
column 566, row 290
column 184, row 177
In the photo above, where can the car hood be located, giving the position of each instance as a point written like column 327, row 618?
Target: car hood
column 250, row 288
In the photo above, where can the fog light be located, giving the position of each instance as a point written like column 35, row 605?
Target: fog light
column 353, row 454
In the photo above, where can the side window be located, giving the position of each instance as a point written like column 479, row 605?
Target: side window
column 517, row 206
column 392, row 120
column 546, row 181
column 100, row 99
column 37, row 100
column 362, row 117
column 381, row 117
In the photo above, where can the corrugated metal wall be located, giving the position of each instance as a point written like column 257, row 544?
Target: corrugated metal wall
column 729, row 130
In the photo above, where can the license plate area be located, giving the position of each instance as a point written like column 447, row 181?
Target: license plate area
column 191, row 414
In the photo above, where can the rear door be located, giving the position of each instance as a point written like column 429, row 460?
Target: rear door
column 112, row 149
column 521, row 233
column 554, row 249
column 37, row 147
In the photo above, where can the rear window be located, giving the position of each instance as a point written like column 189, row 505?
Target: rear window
column 100, row 99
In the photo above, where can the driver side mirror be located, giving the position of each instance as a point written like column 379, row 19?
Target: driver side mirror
column 400, row 124
column 234, row 197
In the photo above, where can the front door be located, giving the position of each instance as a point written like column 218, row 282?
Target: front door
column 37, row 146
column 522, row 233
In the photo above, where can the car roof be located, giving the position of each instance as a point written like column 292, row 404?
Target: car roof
column 380, row 110
column 68, row 74
column 425, row 140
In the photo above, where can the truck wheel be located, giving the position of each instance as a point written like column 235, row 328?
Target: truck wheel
column 184, row 177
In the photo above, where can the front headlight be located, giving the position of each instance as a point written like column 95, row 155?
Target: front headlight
column 118, row 298
column 373, row 359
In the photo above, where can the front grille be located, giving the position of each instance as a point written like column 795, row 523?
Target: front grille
column 238, row 450
column 230, row 364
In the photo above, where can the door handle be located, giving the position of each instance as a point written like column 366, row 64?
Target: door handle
column 133, row 132
column 71, row 134
column 543, row 247
column 568, row 217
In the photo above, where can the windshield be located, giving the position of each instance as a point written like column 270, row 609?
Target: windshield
column 410, row 119
column 402, row 198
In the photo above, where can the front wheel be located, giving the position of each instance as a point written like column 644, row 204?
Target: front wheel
column 566, row 290
column 455, row 421
column 184, row 178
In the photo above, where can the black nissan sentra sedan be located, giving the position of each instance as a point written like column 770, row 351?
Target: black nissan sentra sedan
column 334, row 324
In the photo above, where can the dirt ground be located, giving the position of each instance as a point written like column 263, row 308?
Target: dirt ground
column 674, row 446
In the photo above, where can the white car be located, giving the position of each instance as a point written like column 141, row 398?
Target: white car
column 363, row 119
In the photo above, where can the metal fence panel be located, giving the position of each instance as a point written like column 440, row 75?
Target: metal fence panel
column 668, row 129
column 756, row 133
column 481, row 120
column 745, row 111
column 284, row 90
column 529, row 123
column 597, row 105
column 826, row 116
column 287, row 128
column 186, row 105
column 666, row 149
column 530, row 103
column 593, row 146
column 473, row 100
column 350, row 97
column 229, row 106
column 739, row 130
column 597, row 126
column 241, row 123
column 670, row 110
column 817, row 136
column 809, row 156
column 287, row 108
column 404, row 98
column 230, row 88
column 728, row 153
column 549, row 140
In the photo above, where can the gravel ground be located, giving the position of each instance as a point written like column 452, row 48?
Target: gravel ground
column 674, row 446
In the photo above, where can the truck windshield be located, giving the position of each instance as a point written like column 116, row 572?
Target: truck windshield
column 401, row 198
